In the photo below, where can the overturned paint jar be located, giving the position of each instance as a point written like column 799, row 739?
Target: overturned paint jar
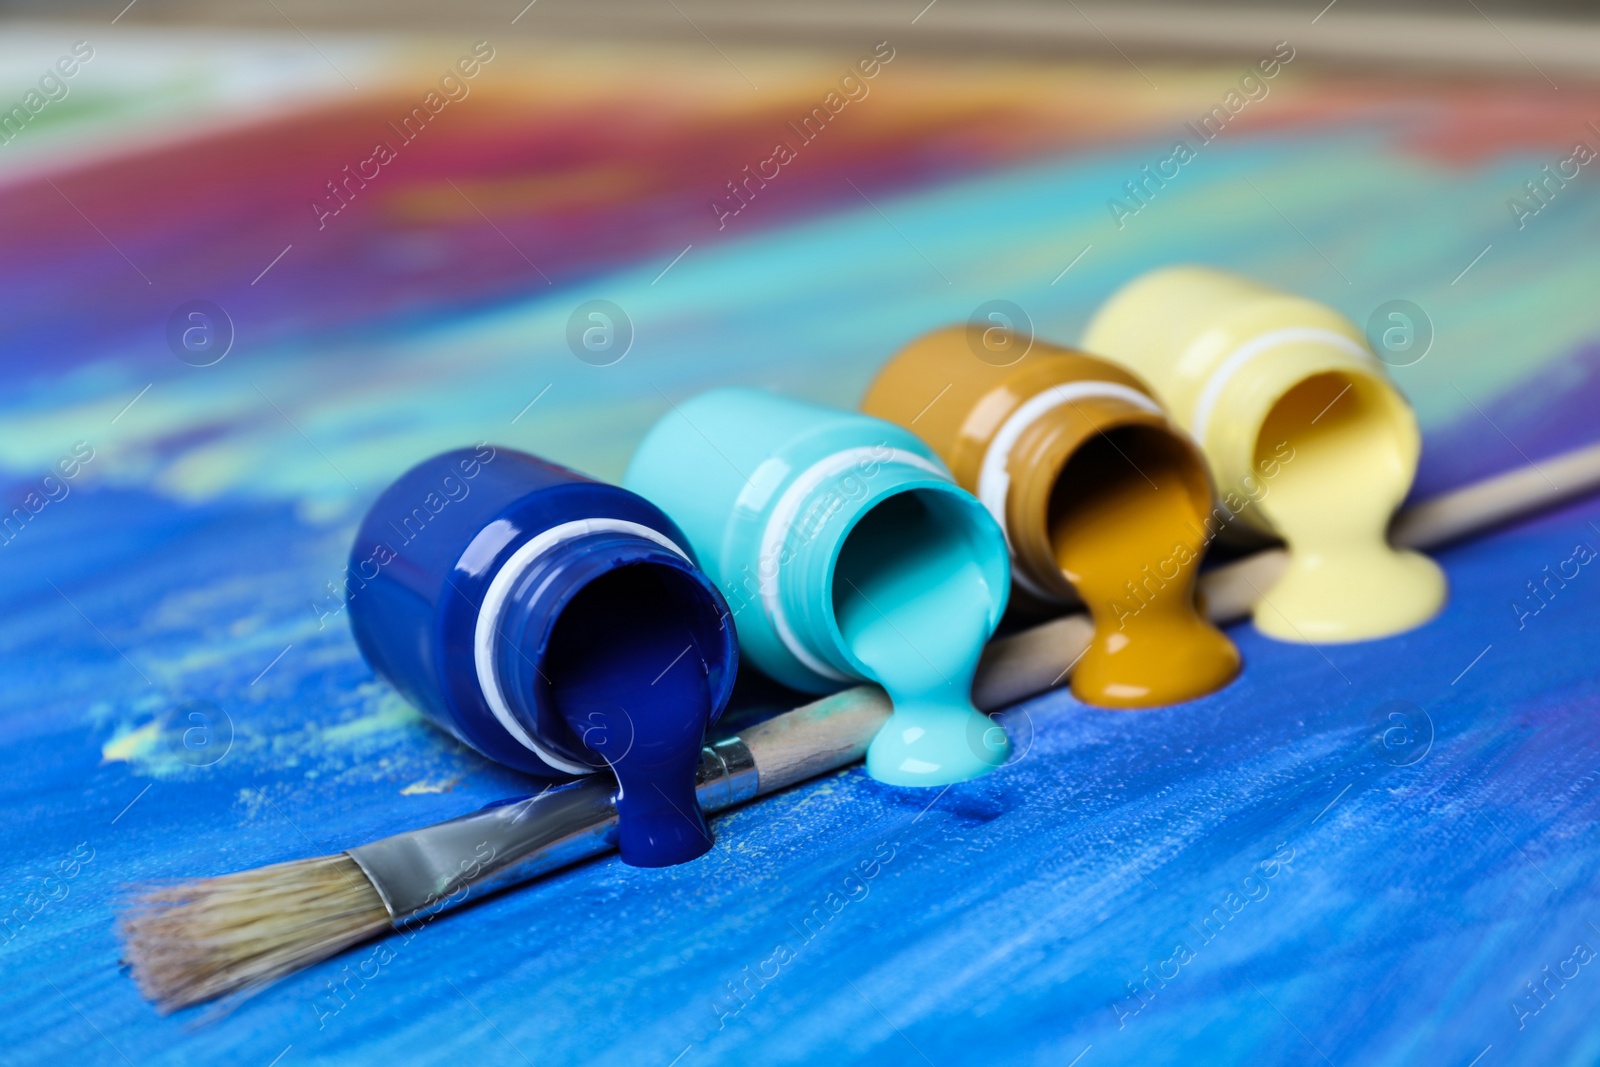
column 1307, row 439
column 1102, row 500
column 846, row 552
column 555, row 624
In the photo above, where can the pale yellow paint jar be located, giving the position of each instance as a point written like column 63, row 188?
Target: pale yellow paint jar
column 1307, row 439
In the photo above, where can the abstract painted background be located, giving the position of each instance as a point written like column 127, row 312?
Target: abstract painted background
column 181, row 583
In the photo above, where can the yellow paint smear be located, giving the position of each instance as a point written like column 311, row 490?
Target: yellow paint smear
column 424, row 786
column 392, row 713
column 130, row 745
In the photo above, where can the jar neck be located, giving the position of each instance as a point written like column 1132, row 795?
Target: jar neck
column 799, row 559
column 540, row 583
column 1234, row 407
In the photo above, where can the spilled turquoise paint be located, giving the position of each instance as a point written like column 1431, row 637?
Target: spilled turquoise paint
column 914, row 607
column 846, row 553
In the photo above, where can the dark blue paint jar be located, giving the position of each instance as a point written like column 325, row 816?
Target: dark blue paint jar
column 555, row 624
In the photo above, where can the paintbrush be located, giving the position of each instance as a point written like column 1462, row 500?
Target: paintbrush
column 198, row 940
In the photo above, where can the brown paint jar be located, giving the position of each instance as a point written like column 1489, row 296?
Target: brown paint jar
column 1103, row 501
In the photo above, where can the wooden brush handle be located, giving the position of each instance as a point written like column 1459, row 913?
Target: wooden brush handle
column 1516, row 494
column 834, row 732
column 1027, row 663
column 819, row 737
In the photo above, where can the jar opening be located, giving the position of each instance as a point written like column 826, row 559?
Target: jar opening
column 1139, row 471
column 1334, row 437
column 1321, row 412
column 632, row 640
column 901, row 563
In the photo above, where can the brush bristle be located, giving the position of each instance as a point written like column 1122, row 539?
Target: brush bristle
column 194, row 941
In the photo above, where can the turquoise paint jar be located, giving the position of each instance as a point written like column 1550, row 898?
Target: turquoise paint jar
column 846, row 552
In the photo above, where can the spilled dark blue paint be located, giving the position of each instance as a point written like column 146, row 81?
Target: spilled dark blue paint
column 608, row 645
column 628, row 673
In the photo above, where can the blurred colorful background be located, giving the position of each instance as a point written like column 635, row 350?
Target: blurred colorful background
column 362, row 309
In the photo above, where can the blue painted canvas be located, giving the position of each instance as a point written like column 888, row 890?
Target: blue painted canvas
column 1375, row 854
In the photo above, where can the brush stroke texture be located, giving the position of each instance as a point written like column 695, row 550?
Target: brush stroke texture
column 1013, row 911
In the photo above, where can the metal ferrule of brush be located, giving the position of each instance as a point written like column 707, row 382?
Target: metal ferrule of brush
column 423, row 872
